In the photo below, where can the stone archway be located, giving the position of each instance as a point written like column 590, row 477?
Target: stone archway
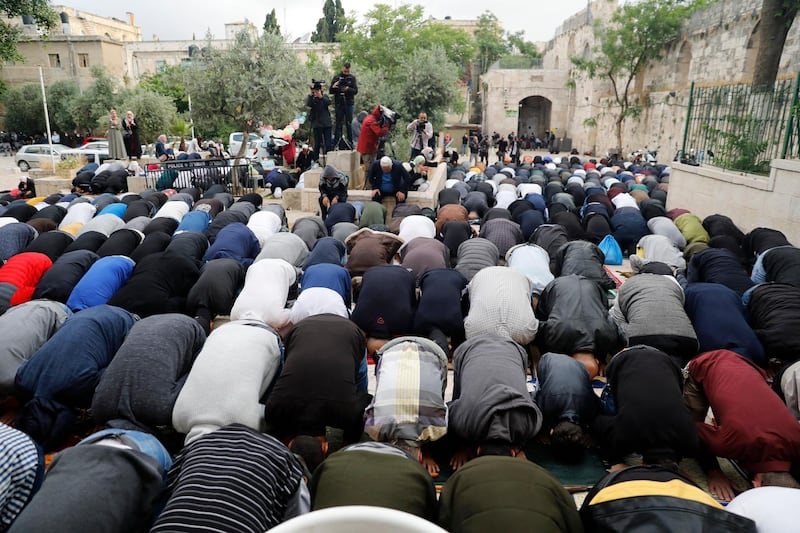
column 534, row 115
column 753, row 43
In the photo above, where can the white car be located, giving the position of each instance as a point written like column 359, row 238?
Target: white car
column 91, row 152
column 31, row 155
column 235, row 142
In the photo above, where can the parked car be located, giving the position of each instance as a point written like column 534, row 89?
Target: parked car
column 92, row 152
column 92, row 138
column 235, row 142
column 31, row 155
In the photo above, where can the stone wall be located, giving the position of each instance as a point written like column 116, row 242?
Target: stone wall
column 751, row 201
column 717, row 47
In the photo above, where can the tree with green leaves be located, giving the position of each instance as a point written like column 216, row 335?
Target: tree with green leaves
column 388, row 36
column 91, row 107
column 524, row 47
column 489, row 40
column 24, row 110
column 168, row 81
column 252, row 82
column 777, row 17
column 332, row 23
column 60, row 95
column 271, row 25
column 406, row 62
column 637, row 34
column 43, row 16
column 154, row 112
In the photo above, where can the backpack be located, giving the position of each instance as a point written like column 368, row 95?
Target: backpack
column 611, row 250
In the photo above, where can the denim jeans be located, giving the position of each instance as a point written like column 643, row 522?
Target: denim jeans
column 143, row 442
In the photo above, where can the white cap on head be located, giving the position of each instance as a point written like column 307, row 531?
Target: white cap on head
column 386, row 161
column 304, row 147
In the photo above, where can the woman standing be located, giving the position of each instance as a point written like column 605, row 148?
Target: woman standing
column 130, row 134
column 116, row 147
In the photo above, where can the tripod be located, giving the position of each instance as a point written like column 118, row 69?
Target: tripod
column 383, row 142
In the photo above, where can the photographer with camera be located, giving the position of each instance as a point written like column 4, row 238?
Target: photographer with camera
column 320, row 117
column 423, row 131
column 373, row 128
column 344, row 88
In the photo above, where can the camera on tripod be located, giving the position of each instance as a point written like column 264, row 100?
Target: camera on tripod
column 421, row 126
column 316, row 85
column 387, row 115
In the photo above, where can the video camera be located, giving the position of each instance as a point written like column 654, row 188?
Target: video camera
column 387, row 115
column 316, row 85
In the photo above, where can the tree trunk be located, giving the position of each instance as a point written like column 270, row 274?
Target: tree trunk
column 618, row 124
column 776, row 20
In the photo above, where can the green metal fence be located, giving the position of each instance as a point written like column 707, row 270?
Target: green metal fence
column 736, row 127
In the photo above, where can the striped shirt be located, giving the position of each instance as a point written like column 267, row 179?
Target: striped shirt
column 19, row 468
column 233, row 479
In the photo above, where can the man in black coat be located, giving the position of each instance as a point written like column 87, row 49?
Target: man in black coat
column 388, row 177
column 344, row 88
column 648, row 414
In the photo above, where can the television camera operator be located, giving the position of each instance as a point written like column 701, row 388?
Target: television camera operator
column 320, row 117
column 374, row 129
column 423, row 131
column 344, row 88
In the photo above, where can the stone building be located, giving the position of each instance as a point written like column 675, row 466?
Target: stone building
column 718, row 46
column 67, row 52
column 83, row 39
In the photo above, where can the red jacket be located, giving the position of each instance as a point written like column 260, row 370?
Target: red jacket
column 371, row 131
column 753, row 425
column 24, row 271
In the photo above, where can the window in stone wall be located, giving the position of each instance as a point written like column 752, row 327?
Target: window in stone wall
column 55, row 60
column 83, row 60
column 161, row 66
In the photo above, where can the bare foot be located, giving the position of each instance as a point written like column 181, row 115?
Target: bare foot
column 720, row 486
column 616, row 467
column 460, row 457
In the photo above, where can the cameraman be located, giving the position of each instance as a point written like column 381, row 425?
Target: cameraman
column 423, row 131
column 372, row 129
column 320, row 117
column 344, row 88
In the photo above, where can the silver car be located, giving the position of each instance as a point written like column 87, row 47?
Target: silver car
column 91, row 152
column 31, row 155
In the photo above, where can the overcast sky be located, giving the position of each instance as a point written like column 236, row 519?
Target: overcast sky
column 179, row 20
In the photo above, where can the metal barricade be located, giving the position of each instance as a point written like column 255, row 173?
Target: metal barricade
column 202, row 173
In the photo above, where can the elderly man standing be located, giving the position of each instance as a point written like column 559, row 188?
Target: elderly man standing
column 388, row 177
column 423, row 131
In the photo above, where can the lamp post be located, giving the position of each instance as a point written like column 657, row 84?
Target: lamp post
column 47, row 119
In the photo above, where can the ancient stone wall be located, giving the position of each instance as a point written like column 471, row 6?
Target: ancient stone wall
column 718, row 47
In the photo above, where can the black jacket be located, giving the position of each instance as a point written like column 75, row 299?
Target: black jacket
column 345, row 80
column 575, row 318
column 400, row 178
column 319, row 116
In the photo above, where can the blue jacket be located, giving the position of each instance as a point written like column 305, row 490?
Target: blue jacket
column 720, row 321
column 234, row 241
column 105, row 277
column 329, row 276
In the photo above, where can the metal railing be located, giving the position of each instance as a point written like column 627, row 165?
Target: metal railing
column 519, row 62
column 203, row 173
column 739, row 128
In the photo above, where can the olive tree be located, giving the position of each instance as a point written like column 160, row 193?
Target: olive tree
column 252, row 82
